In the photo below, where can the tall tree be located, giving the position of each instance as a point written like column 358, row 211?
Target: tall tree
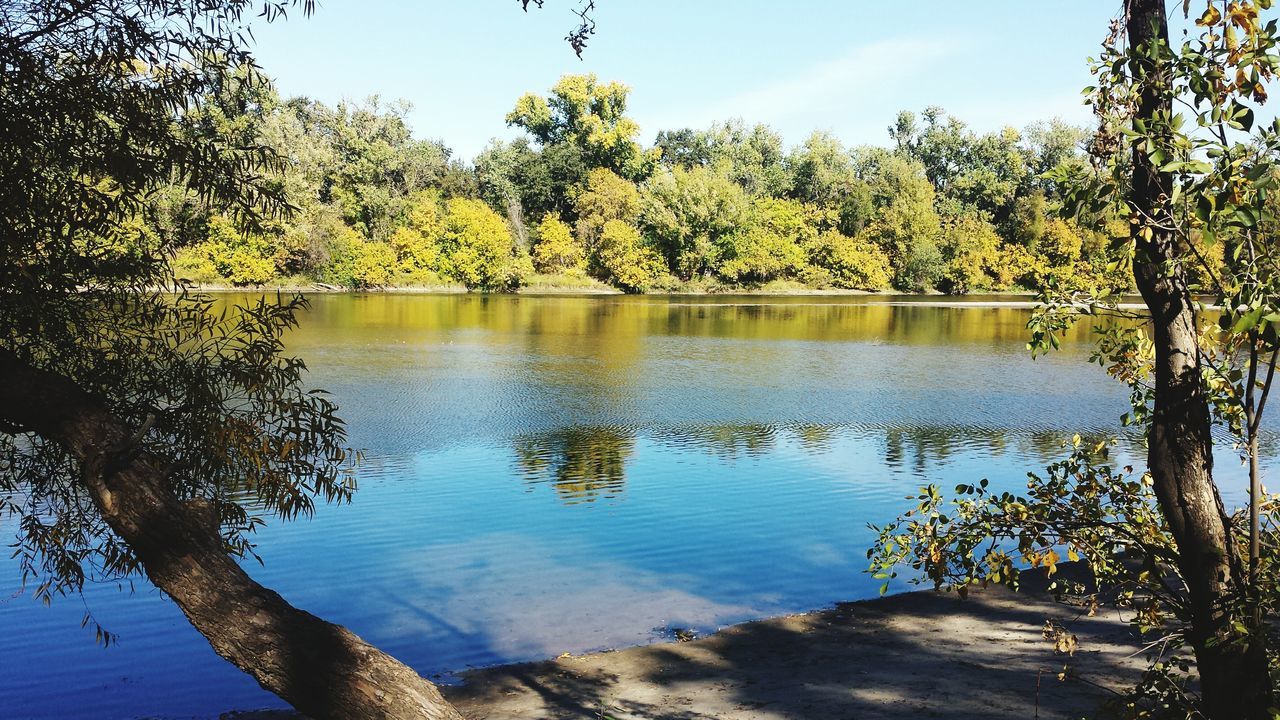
column 590, row 115
column 1234, row 675
column 1187, row 181
column 136, row 427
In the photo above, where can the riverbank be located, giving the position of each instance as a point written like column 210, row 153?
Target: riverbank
column 917, row 654
column 542, row 289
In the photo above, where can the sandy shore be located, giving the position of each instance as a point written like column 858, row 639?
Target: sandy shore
column 913, row 655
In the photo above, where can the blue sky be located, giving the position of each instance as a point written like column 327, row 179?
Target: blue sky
column 845, row 66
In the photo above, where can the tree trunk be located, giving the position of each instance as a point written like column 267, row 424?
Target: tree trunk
column 322, row 669
column 1234, row 681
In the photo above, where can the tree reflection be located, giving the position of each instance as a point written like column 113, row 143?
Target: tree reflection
column 727, row 441
column 583, row 464
column 919, row 448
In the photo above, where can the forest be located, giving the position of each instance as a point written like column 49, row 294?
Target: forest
column 579, row 203
column 149, row 431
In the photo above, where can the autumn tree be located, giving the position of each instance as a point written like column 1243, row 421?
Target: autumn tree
column 557, row 250
column 584, row 113
column 476, row 247
column 626, row 259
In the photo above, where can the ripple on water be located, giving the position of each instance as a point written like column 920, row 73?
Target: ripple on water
column 548, row 475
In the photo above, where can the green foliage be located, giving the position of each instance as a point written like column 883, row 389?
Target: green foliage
column 357, row 166
column 343, row 247
column 94, row 144
column 753, row 158
column 477, row 249
column 377, row 163
column 606, row 196
column 772, row 243
column 971, row 250
column 537, row 182
column 1207, row 230
column 557, row 250
column 1081, row 510
column 849, row 263
column 705, row 209
column 628, row 262
column 822, row 171
column 904, row 222
column 587, row 114
column 983, row 172
column 1027, row 220
column 691, row 214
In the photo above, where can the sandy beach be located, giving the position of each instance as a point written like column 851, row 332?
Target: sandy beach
column 911, row 655
column 918, row 654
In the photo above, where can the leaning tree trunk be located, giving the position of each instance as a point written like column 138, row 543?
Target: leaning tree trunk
column 1234, row 681
column 322, row 669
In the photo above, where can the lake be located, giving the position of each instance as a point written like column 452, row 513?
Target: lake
column 564, row 474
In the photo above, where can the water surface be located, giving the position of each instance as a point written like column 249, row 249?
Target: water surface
column 564, row 474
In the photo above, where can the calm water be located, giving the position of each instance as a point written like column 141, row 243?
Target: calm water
column 551, row 475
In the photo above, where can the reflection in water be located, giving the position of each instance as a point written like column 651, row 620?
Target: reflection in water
column 727, row 442
column 919, row 447
column 585, row 464
column 582, row 463
column 589, row 604
column 551, row 474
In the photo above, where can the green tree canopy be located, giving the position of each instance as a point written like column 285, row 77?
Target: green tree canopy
column 690, row 214
column 585, row 113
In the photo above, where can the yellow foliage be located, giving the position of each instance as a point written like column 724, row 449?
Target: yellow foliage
column 1061, row 244
column 1016, row 267
column 414, row 251
column 852, row 263
column 772, row 245
column 373, row 264
column 627, row 260
column 557, row 250
column 238, row 257
column 606, row 196
column 477, row 247
column 970, row 248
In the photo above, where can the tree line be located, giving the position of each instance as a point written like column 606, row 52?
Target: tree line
column 578, row 201
column 141, row 431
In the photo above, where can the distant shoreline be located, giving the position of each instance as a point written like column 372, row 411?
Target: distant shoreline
column 326, row 289
column 974, row 301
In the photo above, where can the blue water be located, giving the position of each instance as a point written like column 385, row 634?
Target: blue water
column 549, row 475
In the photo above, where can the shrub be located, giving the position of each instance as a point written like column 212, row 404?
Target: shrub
column 971, row 250
column 1016, row 267
column 477, row 247
column 849, row 263
column 557, row 250
column 772, row 244
column 241, row 258
column 627, row 260
column 373, row 264
column 414, row 252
